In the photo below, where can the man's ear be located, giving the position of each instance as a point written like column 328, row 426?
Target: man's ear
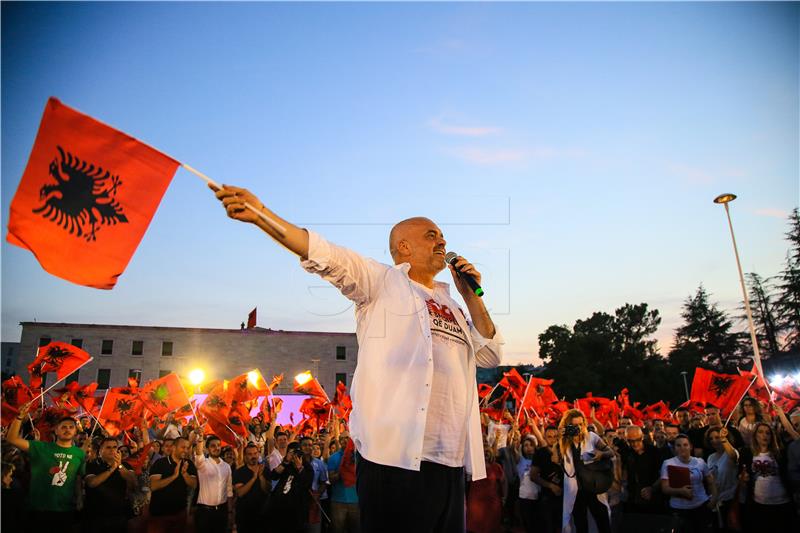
column 403, row 248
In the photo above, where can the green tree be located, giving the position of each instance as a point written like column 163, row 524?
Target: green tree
column 705, row 338
column 604, row 353
column 788, row 286
column 764, row 311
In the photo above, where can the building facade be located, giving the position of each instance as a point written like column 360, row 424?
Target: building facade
column 9, row 351
column 149, row 352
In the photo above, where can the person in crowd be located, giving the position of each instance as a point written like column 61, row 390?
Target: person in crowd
column 577, row 444
column 793, row 461
column 319, row 483
column 289, row 501
column 765, row 475
column 687, row 481
column 508, row 458
column 433, row 402
column 171, row 479
column 229, row 456
column 528, row 489
column 662, row 445
column 257, row 436
column 171, row 429
column 279, row 451
column 12, row 500
column 723, row 463
column 108, row 481
column 345, row 516
column 547, row 472
column 252, row 486
column 641, row 470
column 684, row 419
column 167, row 446
column 216, row 485
column 485, row 497
column 751, row 415
column 56, row 469
column 155, row 452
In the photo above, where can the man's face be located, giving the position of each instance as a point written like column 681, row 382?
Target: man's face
column 682, row 417
column 625, row 422
column 282, row 442
column 316, row 450
column 214, row 448
column 551, row 436
column 251, row 456
column 635, row 439
column 712, row 417
column 343, row 438
column 658, row 425
column 181, row 449
column 672, row 432
column 107, row 450
column 425, row 246
column 66, row 430
column 167, row 447
column 660, row 438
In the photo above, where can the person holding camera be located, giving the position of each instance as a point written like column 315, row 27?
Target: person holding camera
column 588, row 474
column 288, row 504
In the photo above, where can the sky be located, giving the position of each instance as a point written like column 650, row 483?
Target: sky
column 570, row 150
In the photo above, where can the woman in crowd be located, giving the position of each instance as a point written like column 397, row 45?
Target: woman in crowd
column 688, row 481
column 723, row 465
column 576, row 443
column 528, row 490
column 751, row 415
column 764, row 473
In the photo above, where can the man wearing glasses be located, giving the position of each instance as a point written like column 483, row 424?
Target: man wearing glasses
column 641, row 468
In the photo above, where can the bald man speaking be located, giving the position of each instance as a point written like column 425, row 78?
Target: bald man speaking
column 415, row 420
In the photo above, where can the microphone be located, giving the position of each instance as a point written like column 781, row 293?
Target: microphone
column 451, row 258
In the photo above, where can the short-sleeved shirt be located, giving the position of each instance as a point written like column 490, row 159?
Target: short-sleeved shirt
column 698, row 470
column 253, row 501
column 107, row 498
column 54, row 471
column 548, row 470
column 172, row 498
column 340, row 493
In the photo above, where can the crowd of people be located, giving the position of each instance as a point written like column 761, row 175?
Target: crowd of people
column 688, row 471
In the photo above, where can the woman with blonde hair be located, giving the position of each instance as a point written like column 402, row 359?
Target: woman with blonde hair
column 579, row 448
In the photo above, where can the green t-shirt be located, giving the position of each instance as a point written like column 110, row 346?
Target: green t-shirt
column 54, row 471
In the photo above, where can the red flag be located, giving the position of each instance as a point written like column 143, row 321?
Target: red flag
column 133, row 383
column 75, row 395
column 720, row 390
column 758, row 390
column 305, row 383
column 164, row 395
column 484, row 390
column 247, row 387
column 48, row 420
column 58, row 357
column 86, row 197
column 605, row 410
column 251, row 319
column 538, row 395
column 657, row 411
column 514, row 383
column 15, row 394
column 342, row 401
column 120, row 412
column 217, row 405
column 137, row 460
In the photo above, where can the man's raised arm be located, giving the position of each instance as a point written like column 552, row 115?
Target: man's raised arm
column 294, row 239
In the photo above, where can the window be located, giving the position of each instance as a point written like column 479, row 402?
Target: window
column 341, row 377
column 166, row 348
column 72, row 377
column 137, row 348
column 44, row 341
column 135, row 373
column 107, row 348
column 103, row 378
column 78, row 343
column 341, row 353
column 8, row 362
column 162, row 373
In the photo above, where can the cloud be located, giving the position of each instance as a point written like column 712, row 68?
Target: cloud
column 498, row 156
column 437, row 124
column 772, row 212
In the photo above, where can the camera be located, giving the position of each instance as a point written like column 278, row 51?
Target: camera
column 571, row 430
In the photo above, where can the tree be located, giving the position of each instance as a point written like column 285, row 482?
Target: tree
column 604, row 353
column 788, row 286
column 764, row 311
column 705, row 337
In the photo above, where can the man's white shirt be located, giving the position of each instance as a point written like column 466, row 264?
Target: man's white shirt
column 214, row 481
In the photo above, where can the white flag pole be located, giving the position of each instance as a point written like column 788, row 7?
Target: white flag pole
column 41, row 394
column 266, row 218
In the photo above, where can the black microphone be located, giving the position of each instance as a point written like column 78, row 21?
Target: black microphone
column 451, row 258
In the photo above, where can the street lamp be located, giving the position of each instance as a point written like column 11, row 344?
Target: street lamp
column 196, row 377
column 725, row 199
column 685, row 384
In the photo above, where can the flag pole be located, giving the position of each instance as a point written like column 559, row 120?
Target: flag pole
column 41, row 394
column 522, row 402
column 485, row 398
column 266, row 218
column 96, row 421
column 740, row 400
column 190, row 404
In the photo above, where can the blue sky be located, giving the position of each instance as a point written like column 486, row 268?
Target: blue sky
column 572, row 151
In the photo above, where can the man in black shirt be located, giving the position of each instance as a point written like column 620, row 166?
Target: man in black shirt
column 642, row 468
column 546, row 472
column 288, row 505
column 108, row 480
column 252, row 489
column 170, row 480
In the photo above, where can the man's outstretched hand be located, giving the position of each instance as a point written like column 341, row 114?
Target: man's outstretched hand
column 233, row 200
